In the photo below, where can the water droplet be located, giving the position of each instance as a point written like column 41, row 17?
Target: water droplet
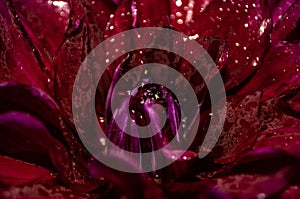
column 254, row 63
column 178, row 3
column 102, row 141
column 180, row 21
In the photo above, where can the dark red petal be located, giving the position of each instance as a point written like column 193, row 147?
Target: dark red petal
column 280, row 72
column 264, row 160
column 245, row 186
column 83, row 35
column 47, row 111
column 287, row 27
column 20, row 59
column 15, row 172
column 279, row 8
column 151, row 13
column 195, row 190
column 275, row 114
column 24, row 134
column 67, row 62
column 240, row 127
column 98, row 14
column 294, row 102
column 140, row 186
column 46, row 20
column 292, row 192
column 286, row 139
column 121, row 19
column 39, row 191
column 227, row 20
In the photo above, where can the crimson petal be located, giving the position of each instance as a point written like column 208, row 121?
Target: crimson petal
column 286, row 139
column 30, row 134
column 229, row 19
column 35, row 14
column 246, row 186
column 20, row 59
column 279, row 74
column 40, row 191
column 86, row 30
column 16, row 172
column 287, row 27
column 240, row 127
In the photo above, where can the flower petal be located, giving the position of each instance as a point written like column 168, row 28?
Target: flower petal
column 40, row 191
column 35, row 14
column 85, row 32
column 240, row 127
column 279, row 74
column 16, row 172
column 287, row 27
column 286, row 139
column 227, row 20
column 246, row 186
column 20, row 59
column 23, row 134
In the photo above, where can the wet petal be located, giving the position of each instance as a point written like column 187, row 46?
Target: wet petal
column 85, row 32
column 279, row 8
column 279, row 74
column 227, row 20
column 20, row 59
column 151, row 13
column 288, row 25
column 35, row 14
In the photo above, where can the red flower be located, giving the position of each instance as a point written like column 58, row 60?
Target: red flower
column 255, row 45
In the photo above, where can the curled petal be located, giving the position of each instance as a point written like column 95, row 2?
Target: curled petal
column 279, row 8
column 228, row 20
column 287, row 28
column 279, row 74
column 18, row 126
column 286, row 139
